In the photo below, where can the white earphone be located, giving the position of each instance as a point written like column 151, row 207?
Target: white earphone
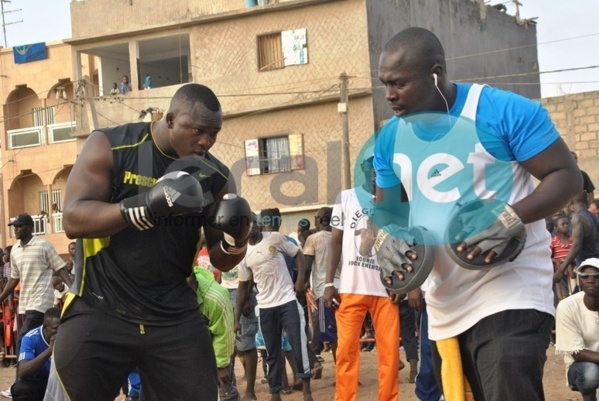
column 435, row 78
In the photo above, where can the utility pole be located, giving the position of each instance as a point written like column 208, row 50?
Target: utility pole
column 342, row 108
column 4, row 23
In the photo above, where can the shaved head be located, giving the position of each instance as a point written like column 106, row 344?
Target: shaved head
column 420, row 47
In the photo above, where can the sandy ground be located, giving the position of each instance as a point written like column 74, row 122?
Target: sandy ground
column 324, row 389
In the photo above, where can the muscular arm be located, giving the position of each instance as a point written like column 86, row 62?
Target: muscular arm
column 87, row 211
column 559, row 178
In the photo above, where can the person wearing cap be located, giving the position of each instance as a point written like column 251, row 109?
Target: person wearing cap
column 33, row 261
column 577, row 331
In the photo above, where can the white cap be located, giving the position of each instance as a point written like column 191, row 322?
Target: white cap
column 592, row 262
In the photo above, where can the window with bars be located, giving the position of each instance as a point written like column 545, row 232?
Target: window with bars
column 37, row 114
column 274, row 154
column 44, row 202
column 56, row 201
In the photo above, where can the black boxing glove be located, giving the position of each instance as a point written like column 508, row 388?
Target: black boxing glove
column 174, row 194
column 234, row 218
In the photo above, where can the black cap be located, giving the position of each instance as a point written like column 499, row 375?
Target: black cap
column 22, row 220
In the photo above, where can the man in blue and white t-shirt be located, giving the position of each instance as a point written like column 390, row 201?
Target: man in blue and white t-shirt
column 35, row 359
column 451, row 144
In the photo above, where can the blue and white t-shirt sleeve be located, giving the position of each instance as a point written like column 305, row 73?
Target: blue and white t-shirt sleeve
column 383, row 155
column 524, row 124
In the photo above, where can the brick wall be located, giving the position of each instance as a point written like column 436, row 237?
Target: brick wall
column 577, row 119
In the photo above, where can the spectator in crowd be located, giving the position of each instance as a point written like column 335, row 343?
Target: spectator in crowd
column 60, row 291
column 115, row 89
column 585, row 236
column 438, row 166
column 577, row 334
column 360, row 290
column 287, row 357
column 70, row 262
column 303, row 225
column 35, row 355
column 245, row 344
column 125, row 85
column 594, row 207
column 560, row 247
column 215, row 304
column 316, row 253
column 279, row 308
column 587, row 184
column 6, row 264
column 33, row 261
column 148, row 81
column 367, row 338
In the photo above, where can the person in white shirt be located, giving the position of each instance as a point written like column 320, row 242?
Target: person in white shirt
column 360, row 290
column 577, row 331
column 264, row 264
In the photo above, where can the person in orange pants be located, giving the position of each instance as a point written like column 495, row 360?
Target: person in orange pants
column 358, row 290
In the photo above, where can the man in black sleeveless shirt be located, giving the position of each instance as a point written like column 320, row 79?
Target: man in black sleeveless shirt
column 137, row 198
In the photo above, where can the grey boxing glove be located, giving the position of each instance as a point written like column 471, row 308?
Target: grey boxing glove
column 492, row 226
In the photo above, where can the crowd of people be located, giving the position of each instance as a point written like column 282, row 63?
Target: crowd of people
column 440, row 249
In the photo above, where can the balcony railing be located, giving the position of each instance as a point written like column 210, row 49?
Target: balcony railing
column 57, row 222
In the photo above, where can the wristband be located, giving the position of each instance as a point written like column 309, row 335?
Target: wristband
column 137, row 217
column 327, row 285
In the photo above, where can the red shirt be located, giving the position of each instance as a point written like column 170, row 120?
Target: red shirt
column 559, row 250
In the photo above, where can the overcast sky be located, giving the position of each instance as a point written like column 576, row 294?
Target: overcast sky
column 567, row 34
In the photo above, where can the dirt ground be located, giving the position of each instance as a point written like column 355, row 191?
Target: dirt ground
column 324, row 389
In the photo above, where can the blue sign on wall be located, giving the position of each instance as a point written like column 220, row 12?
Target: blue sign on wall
column 27, row 53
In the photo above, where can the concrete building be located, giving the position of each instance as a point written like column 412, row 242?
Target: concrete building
column 278, row 70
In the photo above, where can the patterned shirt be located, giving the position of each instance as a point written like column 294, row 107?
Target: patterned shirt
column 33, row 265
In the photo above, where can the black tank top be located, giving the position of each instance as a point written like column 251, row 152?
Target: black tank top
column 140, row 276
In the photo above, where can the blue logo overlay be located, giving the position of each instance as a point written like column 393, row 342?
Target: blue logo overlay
column 442, row 162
